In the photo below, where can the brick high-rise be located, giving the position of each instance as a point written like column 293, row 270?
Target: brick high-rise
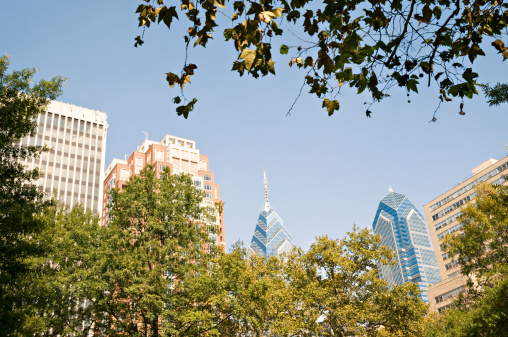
column 181, row 156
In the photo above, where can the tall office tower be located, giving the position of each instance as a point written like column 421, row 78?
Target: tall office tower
column 181, row 156
column 270, row 237
column 74, row 167
column 403, row 229
column 442, row 215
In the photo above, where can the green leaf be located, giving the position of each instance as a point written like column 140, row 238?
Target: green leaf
column 186, row 109
column 469, row 75
column 177, row 100
column 249, row 56
column 412, row 85
column 190, row 68
column 284, row 49
column 172, row 79
column 437, row 12
column 138, row 42
column 268, row 16
column 331, row 106
column 167, row 14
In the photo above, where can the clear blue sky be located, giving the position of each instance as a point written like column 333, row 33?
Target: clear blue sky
column 325, row 173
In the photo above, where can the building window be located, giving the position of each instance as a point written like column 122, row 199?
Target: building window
column 440, row 310
column 208, row 195
column 208, row 177
column 452, row 264
column 197, row 183
column 162, row 167
column 208, row 187
column 450, row 294
column 454, row 274
column 453, row 229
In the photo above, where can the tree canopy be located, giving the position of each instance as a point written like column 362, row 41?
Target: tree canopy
column 372, row 45
column 22, row 99
column 481, row 251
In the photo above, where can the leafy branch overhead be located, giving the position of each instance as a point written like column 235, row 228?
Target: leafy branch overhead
column 369, row 45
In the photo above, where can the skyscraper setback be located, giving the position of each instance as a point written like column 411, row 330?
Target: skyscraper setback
column 74, row 167
column 403, row 229
column 181, row 156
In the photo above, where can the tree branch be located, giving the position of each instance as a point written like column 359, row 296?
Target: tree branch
column 438, row 36
column 401, row 37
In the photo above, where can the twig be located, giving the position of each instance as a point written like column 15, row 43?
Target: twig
column 297, row 97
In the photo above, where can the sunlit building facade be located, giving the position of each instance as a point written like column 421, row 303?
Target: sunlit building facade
column 181, row 156
column 73, row 168
column 403, row 229
column 443, row 217
column 270, row 237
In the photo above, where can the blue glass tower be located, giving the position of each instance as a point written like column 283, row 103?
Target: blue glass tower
column 270, row 237
column 403, row 229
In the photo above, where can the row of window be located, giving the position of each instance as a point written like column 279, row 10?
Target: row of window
column 456, row 205
column 452, row 264
column 447, row 221
column 443, row 308
column 469, row 186
column 450, row 294
column 453, row 229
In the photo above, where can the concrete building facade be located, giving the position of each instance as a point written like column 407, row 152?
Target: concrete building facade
column 74, row 167
column 403, row 229
column 181, row 156
column 443, row 214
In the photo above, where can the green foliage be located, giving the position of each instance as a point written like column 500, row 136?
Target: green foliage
column 387, row 43
column 482, row 254
column 336, row 280
column 482, row 249
column 21, row 101
column 154, row 252
column 497, row 94
column 68, row 283
column 330, row 290
column 487, row 316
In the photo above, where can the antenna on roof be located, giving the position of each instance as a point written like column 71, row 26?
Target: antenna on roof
column 146, row 134
column 267, row 202
column 390, row 189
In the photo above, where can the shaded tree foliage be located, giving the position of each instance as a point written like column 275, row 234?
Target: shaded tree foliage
column 369, row 45
column 22, row 99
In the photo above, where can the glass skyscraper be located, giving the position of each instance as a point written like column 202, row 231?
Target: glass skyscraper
column 403, row 229
column 270, row 237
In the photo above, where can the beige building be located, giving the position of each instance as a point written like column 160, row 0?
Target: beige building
column 73, row 168
column 442, row 214
column 181, row 156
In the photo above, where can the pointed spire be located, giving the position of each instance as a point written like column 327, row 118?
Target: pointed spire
column 267, row 202
column 390, row 189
